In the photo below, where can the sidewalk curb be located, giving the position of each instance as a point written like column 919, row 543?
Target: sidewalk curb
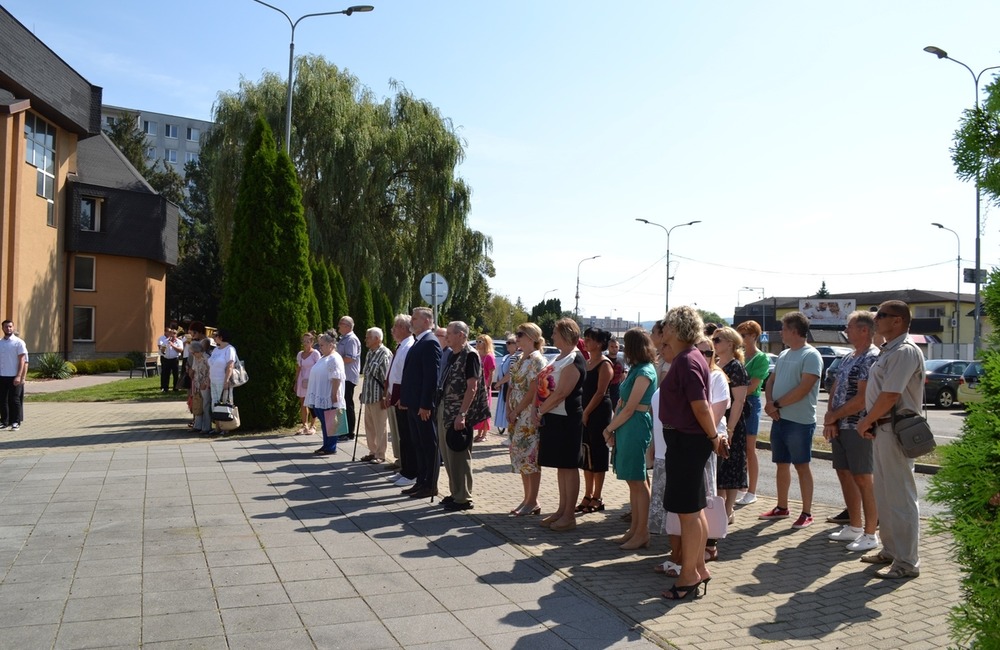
column 920, row 468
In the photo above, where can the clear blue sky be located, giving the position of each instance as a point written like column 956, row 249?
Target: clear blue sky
column 810, row 139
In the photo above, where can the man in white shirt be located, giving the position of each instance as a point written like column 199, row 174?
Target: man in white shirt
column 399, row 425
column 171, row 348
column 13, row 365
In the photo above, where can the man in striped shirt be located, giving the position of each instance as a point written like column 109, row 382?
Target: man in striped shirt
column 372, row 391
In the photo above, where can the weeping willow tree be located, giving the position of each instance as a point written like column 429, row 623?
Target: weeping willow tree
column 380, row 191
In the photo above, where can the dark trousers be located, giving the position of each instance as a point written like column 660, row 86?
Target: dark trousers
column 407, row 448
column 10, row 401
column 168, row 368
column 424, row 434
column 352, row 421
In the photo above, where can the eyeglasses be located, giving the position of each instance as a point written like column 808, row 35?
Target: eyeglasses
column 717, row 340
column 520, row 334
column 880, row 315
column 707, row 353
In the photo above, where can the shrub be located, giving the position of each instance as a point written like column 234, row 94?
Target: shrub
column 968, row 479
column 98, row 366
column 52, row 366
column 125, row 364
column 136, row 358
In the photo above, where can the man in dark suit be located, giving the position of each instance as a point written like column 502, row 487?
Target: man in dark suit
column 417, row 397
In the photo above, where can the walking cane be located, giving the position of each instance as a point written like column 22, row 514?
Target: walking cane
column 357, row 431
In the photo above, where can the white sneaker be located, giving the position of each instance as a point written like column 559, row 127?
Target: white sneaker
column 864, row 543
column 846, row 534
column 394, row 478
column 746, row 499
column 403, row 481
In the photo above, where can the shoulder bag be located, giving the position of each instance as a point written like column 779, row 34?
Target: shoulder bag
column 239, row 376
column 913, row 432
column 225, row 413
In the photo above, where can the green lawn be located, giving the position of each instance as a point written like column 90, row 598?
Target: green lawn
column 139, row 389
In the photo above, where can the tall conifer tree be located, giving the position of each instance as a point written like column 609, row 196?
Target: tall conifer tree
column 268, row 284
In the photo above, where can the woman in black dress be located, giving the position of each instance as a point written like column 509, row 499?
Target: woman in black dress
column 597, row 413
column 732, row 471
column 559, row 412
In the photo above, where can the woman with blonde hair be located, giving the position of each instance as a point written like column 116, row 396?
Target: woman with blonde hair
column 523, row 383
column 758, row 367
column 559, row 413
column 484, row 346
column 732, row 471
column 305, row 359
column 691, row 436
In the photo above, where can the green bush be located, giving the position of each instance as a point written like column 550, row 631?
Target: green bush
column 98, row 366
column 125, row 364
column 968, row 478
column 52, row 366
column 136, row 358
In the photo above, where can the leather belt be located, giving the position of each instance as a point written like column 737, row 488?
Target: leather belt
column 883, row 421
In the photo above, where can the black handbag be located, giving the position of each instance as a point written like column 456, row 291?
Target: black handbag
column 913, row 432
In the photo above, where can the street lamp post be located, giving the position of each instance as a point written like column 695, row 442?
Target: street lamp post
column 666, row 301
column 763, row 305
column 958, row 291
column 547, row 293
column 576, row 309
column 977, row 331
column 291, row 57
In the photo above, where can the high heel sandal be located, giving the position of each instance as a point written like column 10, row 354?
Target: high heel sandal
column 520, row 512
column 584, row 504
column 596, row 505
column 675, row 591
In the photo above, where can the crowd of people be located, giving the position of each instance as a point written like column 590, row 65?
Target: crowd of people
column 677, row 421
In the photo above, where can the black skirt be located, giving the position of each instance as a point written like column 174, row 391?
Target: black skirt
column 685, row 461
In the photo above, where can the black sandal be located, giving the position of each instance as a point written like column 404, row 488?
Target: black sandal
column 675, row 592
column 596, row 505
column 584, row 504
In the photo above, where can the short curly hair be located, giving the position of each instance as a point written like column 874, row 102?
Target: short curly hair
column 685, row 323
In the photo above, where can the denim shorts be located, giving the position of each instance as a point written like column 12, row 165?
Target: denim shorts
column 791, row 442
column 753, row 422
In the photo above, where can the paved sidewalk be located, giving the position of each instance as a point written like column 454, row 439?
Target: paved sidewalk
column 119, row 529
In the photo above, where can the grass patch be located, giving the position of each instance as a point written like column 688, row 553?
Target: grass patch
column 139, row 389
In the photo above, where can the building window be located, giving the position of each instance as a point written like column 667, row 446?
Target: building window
column 170, row 155
column 170, row 130
column 40, row 152
column 90, row 214
column 150, row 153
column 190, row 156
column 83, row 324
column 84, row 273
column 111, row 120
column 149, row 128
column 193, row 135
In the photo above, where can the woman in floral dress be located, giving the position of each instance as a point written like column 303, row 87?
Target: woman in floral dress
column 523, row 431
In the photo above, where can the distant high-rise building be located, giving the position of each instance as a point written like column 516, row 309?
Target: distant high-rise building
column 175, row 140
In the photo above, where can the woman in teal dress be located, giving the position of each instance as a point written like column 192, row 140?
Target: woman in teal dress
column 631, row 431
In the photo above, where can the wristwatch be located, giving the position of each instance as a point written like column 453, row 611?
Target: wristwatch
column 777, row 404
column 462, row 414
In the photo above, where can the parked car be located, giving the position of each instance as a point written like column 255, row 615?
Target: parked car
column 830, row 353
column 968, row 385
column 941, row 383
column 831, row 374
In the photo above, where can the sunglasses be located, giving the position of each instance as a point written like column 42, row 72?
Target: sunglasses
column 717, row 340
column 707, row 353
column 520, row 334
column 880, row 315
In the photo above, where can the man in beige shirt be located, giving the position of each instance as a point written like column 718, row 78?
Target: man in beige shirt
column 895, row 380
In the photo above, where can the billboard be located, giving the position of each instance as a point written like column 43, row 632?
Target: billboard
column 827, row 311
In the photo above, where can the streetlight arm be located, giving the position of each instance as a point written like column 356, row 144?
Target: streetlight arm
column 287, row 17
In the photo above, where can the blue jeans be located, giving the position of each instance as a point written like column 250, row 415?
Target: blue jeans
column 791, row 442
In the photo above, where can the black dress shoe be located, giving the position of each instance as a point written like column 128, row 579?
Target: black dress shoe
column 325, row 452
column 454, row 506
column 447, row 499
column 345, row 437
column 416, row 487
column 423, row 493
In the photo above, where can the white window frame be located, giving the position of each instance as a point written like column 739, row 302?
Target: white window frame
column 98, row 202
column 170, row 131
column 149, row 127
column 93, row 323
column 93, row 273
column 190, row 156
column 150, row 153
column 39, row 134
column 170, row 155
column 193, row 134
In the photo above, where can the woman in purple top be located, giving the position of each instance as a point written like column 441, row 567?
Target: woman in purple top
column 689, row 431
